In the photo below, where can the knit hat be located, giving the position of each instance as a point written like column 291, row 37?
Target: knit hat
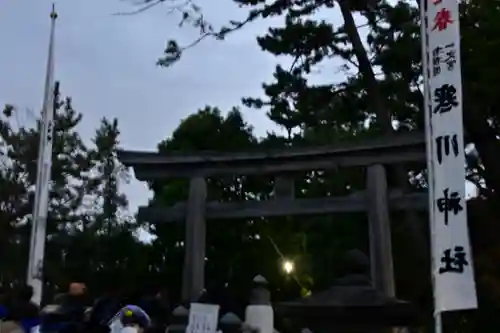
column 132, row 314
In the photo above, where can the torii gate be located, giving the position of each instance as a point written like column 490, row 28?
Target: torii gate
column 377, row 200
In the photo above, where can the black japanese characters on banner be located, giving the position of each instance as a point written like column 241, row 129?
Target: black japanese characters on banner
column 443, row 55
column 445, row 98
column 453, row 260
column 446, row 145
column 450, row 202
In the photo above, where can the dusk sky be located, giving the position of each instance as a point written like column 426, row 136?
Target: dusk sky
column 107, row 64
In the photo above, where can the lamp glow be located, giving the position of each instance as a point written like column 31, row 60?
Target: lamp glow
column 288, row 266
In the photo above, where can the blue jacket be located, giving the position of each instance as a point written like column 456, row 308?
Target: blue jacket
column 26, row 324
column 29, row 324
column 3, row 311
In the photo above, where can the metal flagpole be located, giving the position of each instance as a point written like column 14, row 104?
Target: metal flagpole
column 44, row 165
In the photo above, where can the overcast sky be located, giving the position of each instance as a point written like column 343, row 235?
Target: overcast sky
column 107, row 64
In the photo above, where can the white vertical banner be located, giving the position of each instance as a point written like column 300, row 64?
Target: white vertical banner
column 453, row 273
column 44, row 166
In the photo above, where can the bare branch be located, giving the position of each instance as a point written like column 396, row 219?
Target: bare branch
column 148, row 4
column 140, row 10
column 173, row 52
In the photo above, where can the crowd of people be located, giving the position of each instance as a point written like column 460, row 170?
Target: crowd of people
column 73, row 312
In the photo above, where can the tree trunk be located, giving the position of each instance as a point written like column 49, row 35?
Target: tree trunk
column 366, row 70
column 384, row 123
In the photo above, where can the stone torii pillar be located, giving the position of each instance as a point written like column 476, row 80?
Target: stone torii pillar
column 193, row 275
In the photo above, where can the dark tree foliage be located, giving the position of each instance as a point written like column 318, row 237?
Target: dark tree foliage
column 89, row 237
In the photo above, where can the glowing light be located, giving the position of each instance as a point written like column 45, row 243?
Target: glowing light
column 288, row 266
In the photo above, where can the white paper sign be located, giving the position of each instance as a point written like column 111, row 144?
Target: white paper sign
column 203, row 318
column 454, row 285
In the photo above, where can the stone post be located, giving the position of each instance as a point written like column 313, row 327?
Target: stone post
column 179, row 320
column 259, row 314
column 230, row 323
